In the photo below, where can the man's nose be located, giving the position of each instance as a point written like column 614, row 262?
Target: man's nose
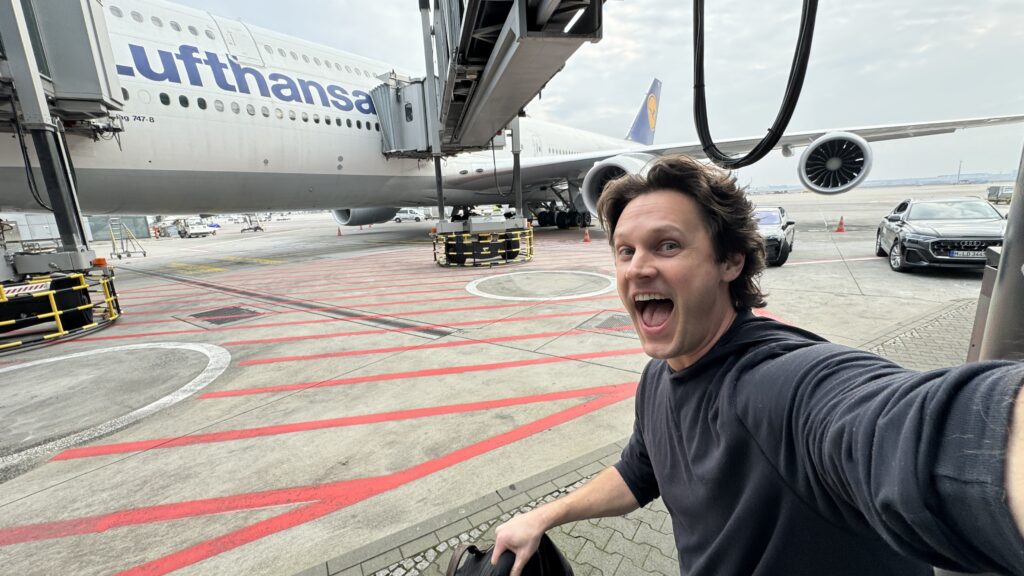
column 640, row 266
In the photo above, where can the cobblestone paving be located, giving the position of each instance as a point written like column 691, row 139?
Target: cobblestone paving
column 641, row 542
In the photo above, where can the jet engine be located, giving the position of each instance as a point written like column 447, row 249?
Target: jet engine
column 609, row 169
column 363, row 216
column 835, row 163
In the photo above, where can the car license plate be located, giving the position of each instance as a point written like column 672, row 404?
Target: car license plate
column 967, row 253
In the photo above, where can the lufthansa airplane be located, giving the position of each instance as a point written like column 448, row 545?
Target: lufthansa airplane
column 223, row 117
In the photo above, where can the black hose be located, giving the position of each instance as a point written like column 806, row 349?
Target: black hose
column 796, row 81
column 32, row 186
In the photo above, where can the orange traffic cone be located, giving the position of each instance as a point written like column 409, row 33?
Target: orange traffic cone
column 586, row 235
column 842, row 226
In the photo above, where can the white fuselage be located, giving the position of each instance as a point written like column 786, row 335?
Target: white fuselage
column 225, row 117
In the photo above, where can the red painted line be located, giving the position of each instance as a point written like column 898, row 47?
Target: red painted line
column 407, row 328
column 341, row 494
column 424, row 346
column 323, row 320
column 262, row 431
column 419, row 373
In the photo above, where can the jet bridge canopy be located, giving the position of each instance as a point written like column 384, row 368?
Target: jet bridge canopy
column 494, row 56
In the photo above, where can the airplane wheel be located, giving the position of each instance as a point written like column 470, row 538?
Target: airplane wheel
column 585, row 219
column 562, row 220
column 417, row 219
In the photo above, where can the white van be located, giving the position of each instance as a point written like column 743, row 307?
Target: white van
column 409, row 214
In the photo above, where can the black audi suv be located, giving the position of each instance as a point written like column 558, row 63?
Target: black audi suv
column 952, row 232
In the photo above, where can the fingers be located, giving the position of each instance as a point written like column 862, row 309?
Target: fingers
column 517, row 568
column 499, row 547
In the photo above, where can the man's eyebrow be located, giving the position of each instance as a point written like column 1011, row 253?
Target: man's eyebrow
column 660, row 229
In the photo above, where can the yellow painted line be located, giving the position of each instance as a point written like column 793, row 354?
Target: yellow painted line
column 187, row 268
column 251, row 260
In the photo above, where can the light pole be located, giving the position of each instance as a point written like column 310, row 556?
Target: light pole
column 958, row 168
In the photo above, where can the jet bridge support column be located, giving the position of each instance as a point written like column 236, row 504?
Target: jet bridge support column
column 517, row 181
column 433, row 116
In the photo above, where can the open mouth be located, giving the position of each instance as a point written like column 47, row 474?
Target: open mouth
column 653, row 309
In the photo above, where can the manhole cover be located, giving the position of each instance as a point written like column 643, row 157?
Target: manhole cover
column 227, row 315
column 542, row 285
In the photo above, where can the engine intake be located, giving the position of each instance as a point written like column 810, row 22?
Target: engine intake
column 363, row 216
column 835, row 163
column 609, row 169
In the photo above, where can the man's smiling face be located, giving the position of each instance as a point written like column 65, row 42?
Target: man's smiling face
column 668, row 277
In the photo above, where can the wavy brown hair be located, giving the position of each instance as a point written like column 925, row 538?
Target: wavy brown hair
column 725, row 211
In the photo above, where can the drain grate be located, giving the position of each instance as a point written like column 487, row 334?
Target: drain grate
column 610, row 323
column 226, row 315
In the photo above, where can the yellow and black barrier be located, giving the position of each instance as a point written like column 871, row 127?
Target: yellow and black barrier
column 73, row 303
column 456, row 249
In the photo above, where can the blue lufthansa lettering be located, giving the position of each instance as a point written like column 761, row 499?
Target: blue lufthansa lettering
column 340, row 98
column 280, row 86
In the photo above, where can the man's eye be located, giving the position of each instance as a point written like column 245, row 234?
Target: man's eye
column 670, row 246
column 625, row 251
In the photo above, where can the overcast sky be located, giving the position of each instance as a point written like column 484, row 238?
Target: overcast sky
column 873, row 62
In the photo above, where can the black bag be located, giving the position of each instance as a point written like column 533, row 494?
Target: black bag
column 548, row 561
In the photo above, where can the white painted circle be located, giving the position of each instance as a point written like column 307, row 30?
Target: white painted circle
column 474, row 286
column 218, row 360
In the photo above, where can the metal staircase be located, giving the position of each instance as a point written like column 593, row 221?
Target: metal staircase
column 122, row 241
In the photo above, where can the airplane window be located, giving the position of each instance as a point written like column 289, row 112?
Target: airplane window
column 294, row 55
column 268, row 49
column 305, row 117
column 358, row 71
column 250, row 109
column 348, row 122
column 359, row 124
column 316, row 118
column 265, row 111
column 175, row 26
column 348, row 69
column 124, row 93
column 165, row 99
column 116, row 12
column 183, row 100
column 327, row 63
column 305, row 59
column 327, row 120
column 211, row 35
column 337, row 67
column 157, row 22
column 137, row 17
column 291, row 114
column 368, row 127
column 236, row 108
column 337, row 121
column 376, row 125
column 201, row 102
column 279, row 113
column 282, row 53
column 193, row 30
column 218, row 105
column 316, row 60
column 367, row 74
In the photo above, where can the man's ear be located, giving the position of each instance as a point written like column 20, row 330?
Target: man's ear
column 732, row 266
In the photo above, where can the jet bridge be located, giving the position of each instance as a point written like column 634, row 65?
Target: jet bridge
column 57, row 73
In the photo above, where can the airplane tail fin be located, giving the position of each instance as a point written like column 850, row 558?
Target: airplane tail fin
column 642, row 131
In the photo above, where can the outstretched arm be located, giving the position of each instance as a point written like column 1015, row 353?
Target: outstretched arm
column 605, row 495
column 1015, row 463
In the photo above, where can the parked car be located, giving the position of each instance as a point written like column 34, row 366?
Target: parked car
column 409, row 214
column 1000, row 194
column 193, row 227
column 779, row 234
column 952, row 233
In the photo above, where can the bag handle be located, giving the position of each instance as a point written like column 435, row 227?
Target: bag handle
column 457, row 555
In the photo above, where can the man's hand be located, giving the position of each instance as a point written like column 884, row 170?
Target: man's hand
column 520, row 535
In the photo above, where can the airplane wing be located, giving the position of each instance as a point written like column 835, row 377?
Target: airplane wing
column 546, row 170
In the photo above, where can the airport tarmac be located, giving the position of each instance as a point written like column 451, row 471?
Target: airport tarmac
column 271, row 401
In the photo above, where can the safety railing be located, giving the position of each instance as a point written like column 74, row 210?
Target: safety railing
column 458, row 249
column 73, row 303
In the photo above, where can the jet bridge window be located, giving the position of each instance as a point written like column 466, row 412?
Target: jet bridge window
column 157, row 22
column 116, row 12
column 183, row 100
column 137, row 17
column 165, row 99
column 201, row 102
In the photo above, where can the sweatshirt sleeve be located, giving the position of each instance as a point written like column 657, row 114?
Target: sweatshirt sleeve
column 916, row 457
column 634, row 464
